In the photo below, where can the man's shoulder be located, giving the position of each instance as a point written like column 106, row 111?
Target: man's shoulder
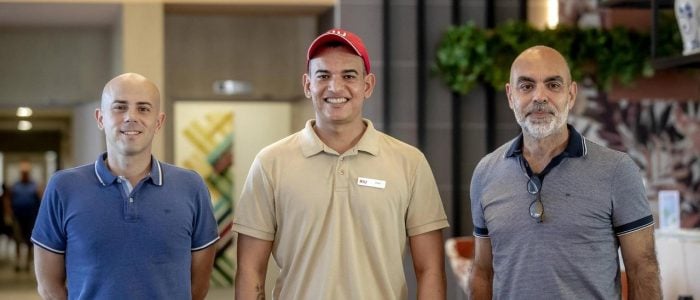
column 597, row 150
column 72, row 173
column 282, row 146
column 498, row 154
column 171, row 172
column 389, row 142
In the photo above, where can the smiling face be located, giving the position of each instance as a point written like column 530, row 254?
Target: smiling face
column 540, row 92
column 130, row 115
column 337, row 86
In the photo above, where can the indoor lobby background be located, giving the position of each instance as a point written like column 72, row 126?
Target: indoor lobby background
column 239, row 63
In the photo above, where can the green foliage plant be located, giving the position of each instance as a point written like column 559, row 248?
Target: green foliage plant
column 468, row 54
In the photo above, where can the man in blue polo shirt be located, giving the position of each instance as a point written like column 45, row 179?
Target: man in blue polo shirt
column 127, row 226
column 551, row 209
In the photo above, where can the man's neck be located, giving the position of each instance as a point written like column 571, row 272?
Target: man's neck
column 342, row 137
column 133, row 168
column 539, row 152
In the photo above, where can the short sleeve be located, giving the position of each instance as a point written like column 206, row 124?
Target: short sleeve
column 425, row 210
column 206, row 231
column 255, row 212
column 48, row 231
column 475, row 194
column 631, row 210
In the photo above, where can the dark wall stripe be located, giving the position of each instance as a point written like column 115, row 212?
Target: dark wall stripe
column 386, row 45
column 490, row 91
column 456, row 143
column 421, row 79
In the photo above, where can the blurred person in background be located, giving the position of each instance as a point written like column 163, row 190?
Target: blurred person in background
column 25, row 197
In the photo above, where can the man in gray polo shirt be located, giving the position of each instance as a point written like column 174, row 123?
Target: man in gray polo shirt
column 551, row 209
column 337, row 203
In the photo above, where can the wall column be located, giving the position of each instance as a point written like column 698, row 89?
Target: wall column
column 142, row 48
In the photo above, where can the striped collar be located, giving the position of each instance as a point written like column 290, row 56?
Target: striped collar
column 106, row 177
column 576, row 146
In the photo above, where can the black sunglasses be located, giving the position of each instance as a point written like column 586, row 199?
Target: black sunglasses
column 534, row 185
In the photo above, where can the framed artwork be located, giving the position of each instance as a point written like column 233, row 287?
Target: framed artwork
column 219, row 140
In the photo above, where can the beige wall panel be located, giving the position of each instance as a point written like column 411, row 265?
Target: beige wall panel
column 53, row 65
column 266, row 51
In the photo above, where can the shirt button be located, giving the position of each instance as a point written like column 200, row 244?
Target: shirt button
column 342, row 172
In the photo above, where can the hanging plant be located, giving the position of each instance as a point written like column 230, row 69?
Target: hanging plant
column 468, row 54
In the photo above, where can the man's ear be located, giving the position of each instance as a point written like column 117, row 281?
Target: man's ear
column 370, row 81
column 306, row 84
column 573, row 91
column 160, row 121
column 509, row 95
column 98, row 118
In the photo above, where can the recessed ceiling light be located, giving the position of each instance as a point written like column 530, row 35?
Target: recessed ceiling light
column 24, row 125
column 24, row 112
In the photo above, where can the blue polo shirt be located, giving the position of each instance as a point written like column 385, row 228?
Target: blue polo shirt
column 123, row 242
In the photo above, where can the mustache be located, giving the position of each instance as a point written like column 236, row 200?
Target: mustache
column 540, row 107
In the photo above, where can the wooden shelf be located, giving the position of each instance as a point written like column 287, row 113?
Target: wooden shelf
column 685, row 61
column 635, row 3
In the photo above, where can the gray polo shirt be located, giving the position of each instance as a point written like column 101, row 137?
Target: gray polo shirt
column 591, row 195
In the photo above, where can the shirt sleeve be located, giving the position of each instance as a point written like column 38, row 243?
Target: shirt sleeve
column 255, row 212
column 206, row 231
column 631, row 210
column 425, row 210
column 475, row 194
column 48, row 231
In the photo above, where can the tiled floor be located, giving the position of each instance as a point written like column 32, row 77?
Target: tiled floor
column 22, row 285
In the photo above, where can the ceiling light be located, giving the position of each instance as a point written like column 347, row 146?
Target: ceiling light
column 24, row 125
column 232, row 87
column 552, row 13
column 24, row 112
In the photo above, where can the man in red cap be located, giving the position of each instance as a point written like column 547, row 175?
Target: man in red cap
column 337, row 202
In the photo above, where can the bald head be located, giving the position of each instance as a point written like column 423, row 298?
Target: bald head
column 540, row 59
column 130, row 85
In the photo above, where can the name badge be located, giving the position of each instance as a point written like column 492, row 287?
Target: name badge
column 375, row 183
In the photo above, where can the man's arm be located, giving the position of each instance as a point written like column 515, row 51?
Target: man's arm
column 202, row 264
column 252, row 256
column 50, row 271
column 481, row 277
column 641, row 266
column 429, row 264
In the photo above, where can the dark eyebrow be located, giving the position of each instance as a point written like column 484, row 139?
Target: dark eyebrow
column 525, row 78
column 116, row 101
column 344, row 71
column 548, row 79
column 554, row 78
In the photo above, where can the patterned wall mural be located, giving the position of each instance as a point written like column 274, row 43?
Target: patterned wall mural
column 662, row 137
column 208, row 149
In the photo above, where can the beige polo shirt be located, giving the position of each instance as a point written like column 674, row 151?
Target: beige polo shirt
column 339, row 222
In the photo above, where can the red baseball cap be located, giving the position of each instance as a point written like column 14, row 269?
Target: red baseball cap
column 345, row 37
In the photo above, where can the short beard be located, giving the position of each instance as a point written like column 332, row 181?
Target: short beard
column 542, row 130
